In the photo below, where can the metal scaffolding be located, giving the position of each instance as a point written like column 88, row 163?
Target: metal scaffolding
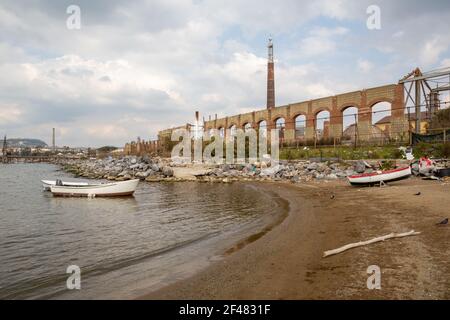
column 425, row 87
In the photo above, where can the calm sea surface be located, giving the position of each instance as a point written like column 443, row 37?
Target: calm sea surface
column 125, row 247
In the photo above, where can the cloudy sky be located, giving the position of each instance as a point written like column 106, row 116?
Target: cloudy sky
column 136, row 67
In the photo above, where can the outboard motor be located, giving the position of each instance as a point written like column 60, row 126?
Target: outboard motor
column 59, row 182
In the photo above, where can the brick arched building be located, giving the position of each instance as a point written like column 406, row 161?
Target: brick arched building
column 362, row 100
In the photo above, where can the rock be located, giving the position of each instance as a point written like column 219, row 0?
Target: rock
column 322, row 167
column 349, row 172
column 123, row 173
column 271, row 171
column 319, row 176
column 341, row 174
column 312, row 166
column 146, row 159
column 359, row 167
column 153, row 179
column 167, row 171
column 332, row 176
column 144, row 174
column 155, row 167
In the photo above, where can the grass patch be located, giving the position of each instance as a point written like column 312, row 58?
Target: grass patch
column 342, row 153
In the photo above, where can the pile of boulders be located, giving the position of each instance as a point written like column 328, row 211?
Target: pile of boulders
column 122, row 169
column 155, row 169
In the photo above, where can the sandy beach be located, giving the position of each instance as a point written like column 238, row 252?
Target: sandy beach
column 287, row 263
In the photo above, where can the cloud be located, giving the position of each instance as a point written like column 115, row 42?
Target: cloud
column 433, row 49
column 313, row 46
column 135, row 68
column 365, row 66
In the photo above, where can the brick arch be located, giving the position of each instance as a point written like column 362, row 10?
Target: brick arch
column 299, row 114
column 379, row 100
column 276, row 118
column 245, row 123
column 261, row 120
column 315, row 113
column 232, row 124
column 345, row 106
column 373, row 103
column 292, row 120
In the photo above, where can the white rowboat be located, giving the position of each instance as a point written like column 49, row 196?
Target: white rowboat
column 380, row 176
column 115, row 189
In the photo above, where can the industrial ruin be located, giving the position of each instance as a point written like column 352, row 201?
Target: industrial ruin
column 407, row 105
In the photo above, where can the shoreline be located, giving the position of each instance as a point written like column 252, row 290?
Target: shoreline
column 286, row 262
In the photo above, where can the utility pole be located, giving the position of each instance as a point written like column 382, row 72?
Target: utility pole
column 418, row 105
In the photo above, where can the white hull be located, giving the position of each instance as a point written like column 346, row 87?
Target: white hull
column 377, row 177
column 115, row 189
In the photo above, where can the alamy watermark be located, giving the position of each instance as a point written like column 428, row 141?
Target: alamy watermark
column 374, row 280
column 374, row 19
column 231, row 146
column 73, row 22
column 73, row 282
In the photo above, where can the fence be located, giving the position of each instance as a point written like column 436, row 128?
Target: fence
column 434, row 136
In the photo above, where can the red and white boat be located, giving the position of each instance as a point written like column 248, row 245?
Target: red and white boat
column 380, row 176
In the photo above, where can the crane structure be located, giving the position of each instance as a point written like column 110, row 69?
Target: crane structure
column 423, row 90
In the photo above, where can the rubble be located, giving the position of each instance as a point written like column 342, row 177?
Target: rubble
column 158, row 169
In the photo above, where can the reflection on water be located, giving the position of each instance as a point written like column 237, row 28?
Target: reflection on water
column 123, row 245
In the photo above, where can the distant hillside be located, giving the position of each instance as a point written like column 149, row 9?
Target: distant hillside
column 23, row 143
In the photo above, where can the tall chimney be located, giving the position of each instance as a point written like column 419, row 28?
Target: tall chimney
column 270, row 77
column 53, row 141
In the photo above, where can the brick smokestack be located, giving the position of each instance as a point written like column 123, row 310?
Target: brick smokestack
column 270, row 78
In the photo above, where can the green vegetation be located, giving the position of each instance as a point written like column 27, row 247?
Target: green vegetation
column 436, row 150
column 342, row 152
column 440, row 120
column 433, row 150
column 106, row 149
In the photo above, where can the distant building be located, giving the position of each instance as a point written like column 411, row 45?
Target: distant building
column 376, row 134
column 385, row 123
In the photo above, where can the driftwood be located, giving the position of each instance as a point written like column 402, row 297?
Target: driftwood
column 364, row 243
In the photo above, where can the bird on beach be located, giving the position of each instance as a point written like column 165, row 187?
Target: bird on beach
column 443, row 222
column 418, row 193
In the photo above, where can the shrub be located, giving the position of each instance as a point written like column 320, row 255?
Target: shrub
column 442, row 150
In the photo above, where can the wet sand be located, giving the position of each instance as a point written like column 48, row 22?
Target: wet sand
column 287, row 263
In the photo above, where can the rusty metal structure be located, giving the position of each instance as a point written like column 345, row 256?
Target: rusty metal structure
column 422, row 91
